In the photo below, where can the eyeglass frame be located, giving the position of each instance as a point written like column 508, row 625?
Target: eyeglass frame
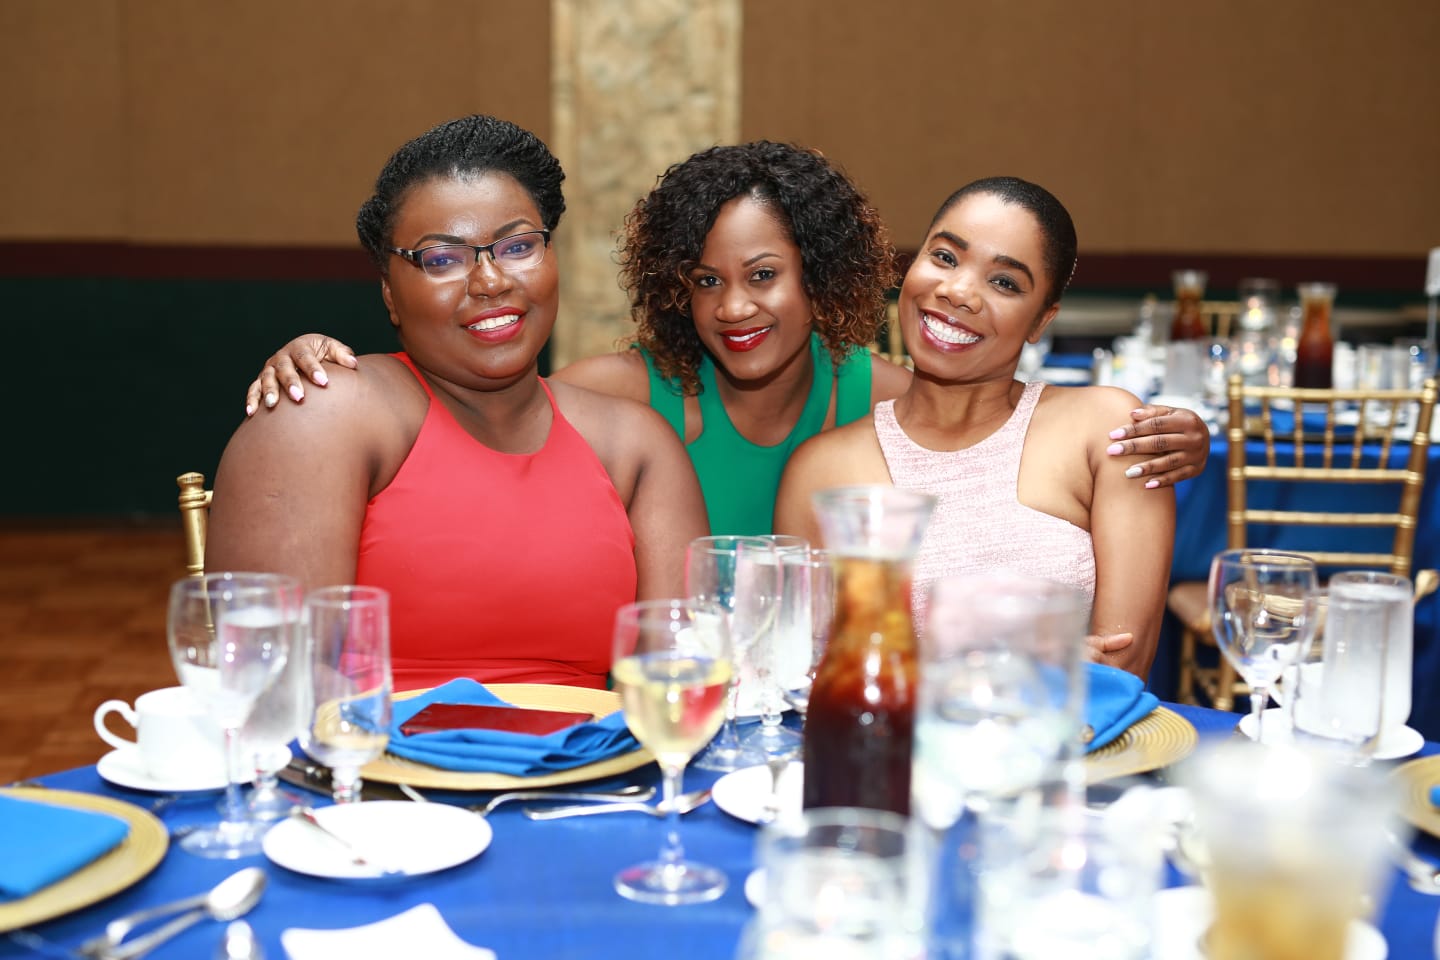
column 412, row 257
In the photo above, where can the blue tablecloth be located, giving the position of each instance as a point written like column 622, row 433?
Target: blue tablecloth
column 1200, row 533
column 542, row 890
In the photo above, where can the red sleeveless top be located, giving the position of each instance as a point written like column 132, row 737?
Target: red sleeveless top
column 506, row 568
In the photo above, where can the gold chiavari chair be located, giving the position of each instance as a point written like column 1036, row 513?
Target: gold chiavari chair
column 194, row 517
column 1333, row 441
column 894, row 347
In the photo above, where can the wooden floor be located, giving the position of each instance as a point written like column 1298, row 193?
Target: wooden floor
column 82, row 620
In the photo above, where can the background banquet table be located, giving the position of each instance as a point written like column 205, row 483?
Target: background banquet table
column 1200, row 533
column 542, row 890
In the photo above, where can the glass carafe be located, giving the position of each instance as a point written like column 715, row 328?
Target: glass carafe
column 1189, row 323
column 860, row 724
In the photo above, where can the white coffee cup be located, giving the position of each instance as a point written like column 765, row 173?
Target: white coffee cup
column 176, row 738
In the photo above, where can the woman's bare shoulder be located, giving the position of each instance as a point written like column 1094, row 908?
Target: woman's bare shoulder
column 887, row 380
column 1091, row 406
column 620, row 374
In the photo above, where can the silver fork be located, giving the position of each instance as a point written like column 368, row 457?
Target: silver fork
column 632, row 792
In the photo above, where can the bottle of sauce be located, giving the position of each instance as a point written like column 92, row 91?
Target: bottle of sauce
column 860, row 722
column 1188, row 322
column 1315, row 348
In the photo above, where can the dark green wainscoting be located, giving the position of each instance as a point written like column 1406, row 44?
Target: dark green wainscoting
column 115, row 386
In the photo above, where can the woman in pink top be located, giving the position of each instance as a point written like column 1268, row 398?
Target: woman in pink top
column 1022, row 480
column 509, row 517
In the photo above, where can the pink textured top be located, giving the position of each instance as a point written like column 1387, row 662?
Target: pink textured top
column 978, row 523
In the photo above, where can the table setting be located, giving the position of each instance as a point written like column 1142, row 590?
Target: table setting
column 469, row 842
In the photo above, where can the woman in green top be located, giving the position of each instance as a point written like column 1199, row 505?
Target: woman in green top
column 757, row 277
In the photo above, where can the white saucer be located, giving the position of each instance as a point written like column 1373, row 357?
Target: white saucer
column 744, row 793
column 400, row 836
column 755, row 887
column 1394, row 743
column 1182, row 915
column 419, row 931
column 123, row 768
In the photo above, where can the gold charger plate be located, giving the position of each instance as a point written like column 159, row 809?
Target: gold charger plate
column 1416, row 778
column 1159, row 740
column 136, row 856
column 393, row 769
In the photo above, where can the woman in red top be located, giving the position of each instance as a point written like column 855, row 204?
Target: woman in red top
column 508, row 517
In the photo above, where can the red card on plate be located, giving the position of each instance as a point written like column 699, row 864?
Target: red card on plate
column 477, row 716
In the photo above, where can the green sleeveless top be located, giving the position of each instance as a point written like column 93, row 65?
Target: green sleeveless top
column 738, row 478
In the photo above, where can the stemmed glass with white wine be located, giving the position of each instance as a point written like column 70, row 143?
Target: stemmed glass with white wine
column 1263, row 611
column 347, row 631
column 672, row 667
column 229, row 636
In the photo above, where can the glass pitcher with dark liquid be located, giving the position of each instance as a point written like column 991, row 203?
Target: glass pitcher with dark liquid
column 860, row 723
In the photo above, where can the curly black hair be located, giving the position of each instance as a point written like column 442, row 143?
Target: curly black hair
column 848, row 262
column 455, row 149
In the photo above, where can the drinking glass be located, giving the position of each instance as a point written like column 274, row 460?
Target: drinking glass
column 1294, row 846
column 277, row 720
column 782, row 651
column 710, row 573
column 1335, row 694
column 821, row 584
column 347, row 706
column 229, row 637
column 1002, row 692
column 1380, row 605
column 839, row 882
column 672, row 667
column 1263, row 613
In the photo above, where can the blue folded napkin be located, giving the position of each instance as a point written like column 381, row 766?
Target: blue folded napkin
column 1117, row 699
column 41, row 843
column 500, row 751
column 1435, row 796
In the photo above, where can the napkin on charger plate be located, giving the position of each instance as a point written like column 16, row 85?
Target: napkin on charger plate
column 41, row 843
column 1117, row 699
column 500, row 751
column 419, row 931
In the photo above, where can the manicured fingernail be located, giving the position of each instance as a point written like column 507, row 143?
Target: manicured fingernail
column 1140, row 412
column 1134, row 472
column 1115, row 448
column 320, row 377
column 1117, row 434
column 296, row 393
column 1151, row 484
column 271, row 399
column 249, row 409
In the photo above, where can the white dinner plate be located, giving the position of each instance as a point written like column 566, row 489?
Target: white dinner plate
column 1182, row 915
column 1394, row 743
column 395, row 836
column 744, row 793
column 123, row 768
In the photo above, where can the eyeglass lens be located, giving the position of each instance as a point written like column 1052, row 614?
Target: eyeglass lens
column 453, row 260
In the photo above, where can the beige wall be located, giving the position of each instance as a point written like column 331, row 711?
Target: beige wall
column 1280, row 126
column 263, row 122
column 1285, row 127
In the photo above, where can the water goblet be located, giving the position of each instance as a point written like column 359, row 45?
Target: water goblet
column 710, row 573
column 1263, row 611
column 821, row 576
column 781, row 650
column 672, row 667
column 347, row 703
column 276, row 721
column 229, row 637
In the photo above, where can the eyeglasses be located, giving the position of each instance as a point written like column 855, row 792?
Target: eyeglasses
column 454, row 261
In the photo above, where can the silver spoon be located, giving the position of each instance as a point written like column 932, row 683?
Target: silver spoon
column 683, row 804
column 231, row 898
column 117, row 929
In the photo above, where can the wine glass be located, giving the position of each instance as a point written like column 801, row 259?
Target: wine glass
column 779, row 593
column 672, row 667
column 710, row 573
column 277, row 720
column 229, row 637
column 1263, row 613
column 347, row 630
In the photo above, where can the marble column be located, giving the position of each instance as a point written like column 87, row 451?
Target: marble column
column 636, row 85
